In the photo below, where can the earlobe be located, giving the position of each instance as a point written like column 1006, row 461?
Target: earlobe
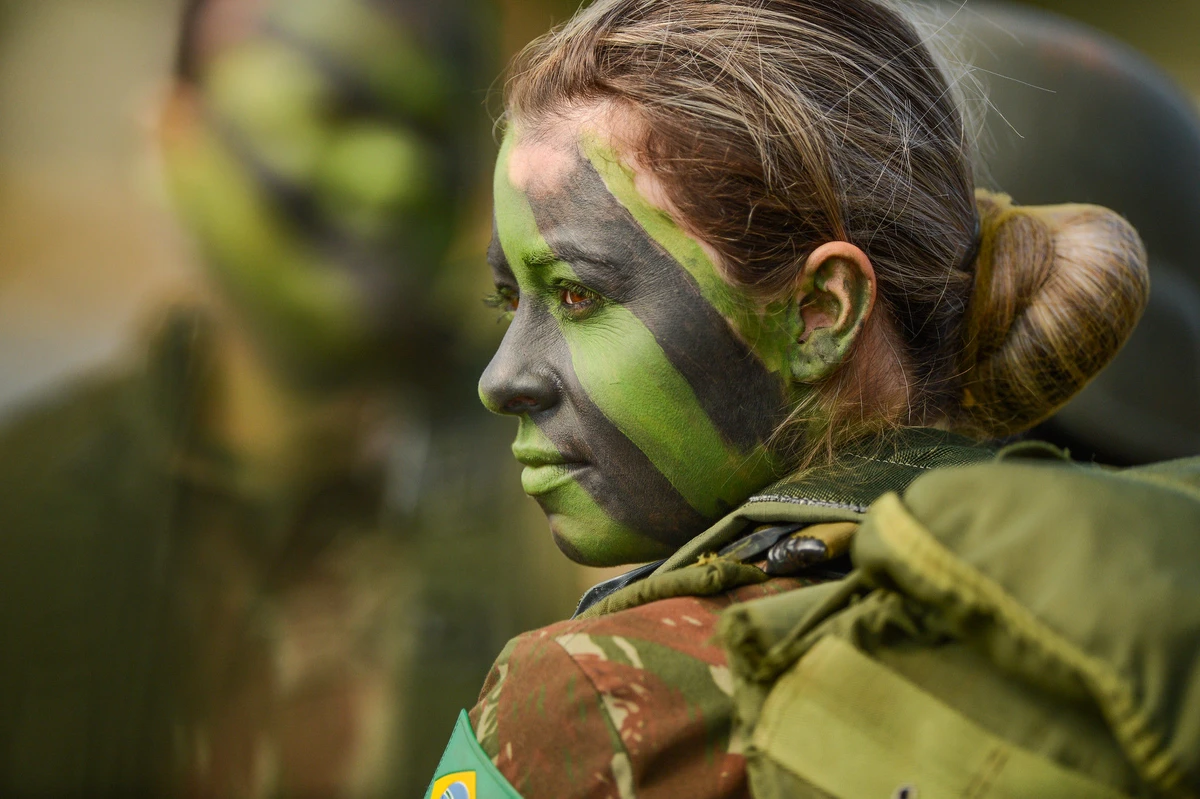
column 835, row 295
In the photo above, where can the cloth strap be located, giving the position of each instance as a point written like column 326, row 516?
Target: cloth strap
column 852, row 727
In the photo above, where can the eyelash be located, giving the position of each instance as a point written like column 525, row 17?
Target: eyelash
column 507, row 301
column 504, row 300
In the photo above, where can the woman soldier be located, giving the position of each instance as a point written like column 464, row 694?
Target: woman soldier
column 756, row 307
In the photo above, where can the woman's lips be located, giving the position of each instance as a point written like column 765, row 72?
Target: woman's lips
column 543, row 479
column 545, row 471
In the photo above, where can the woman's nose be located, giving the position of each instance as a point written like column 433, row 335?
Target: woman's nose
column 517, row 381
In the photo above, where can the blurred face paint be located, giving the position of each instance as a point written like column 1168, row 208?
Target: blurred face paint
column 646, row 387
column 323, row 185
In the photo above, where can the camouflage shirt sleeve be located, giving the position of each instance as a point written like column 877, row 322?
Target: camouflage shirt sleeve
column 632, row 704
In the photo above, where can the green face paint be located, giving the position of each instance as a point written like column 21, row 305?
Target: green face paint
column 325, row 182
column 646, row 386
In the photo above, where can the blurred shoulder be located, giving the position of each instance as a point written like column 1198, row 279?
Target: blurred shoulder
column 150, row 386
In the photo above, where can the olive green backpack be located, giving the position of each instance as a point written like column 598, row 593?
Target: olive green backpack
column 1012, row 628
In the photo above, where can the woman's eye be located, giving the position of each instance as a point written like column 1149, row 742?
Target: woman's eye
column 575, row 300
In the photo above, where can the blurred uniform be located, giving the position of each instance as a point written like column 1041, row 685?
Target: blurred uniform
column 190, row 607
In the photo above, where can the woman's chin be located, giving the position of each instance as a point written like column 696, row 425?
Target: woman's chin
column 589, row 543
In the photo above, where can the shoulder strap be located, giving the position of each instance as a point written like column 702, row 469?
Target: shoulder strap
column 850, row 726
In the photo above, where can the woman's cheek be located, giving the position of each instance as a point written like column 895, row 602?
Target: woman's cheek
column 619, row 365
column 603, row 334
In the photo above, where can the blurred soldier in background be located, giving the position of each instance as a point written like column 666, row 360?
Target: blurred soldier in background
column 255, row 563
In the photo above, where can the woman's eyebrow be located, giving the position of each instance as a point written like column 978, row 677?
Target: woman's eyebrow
column 588, row 263
column 572, row 253
column 534, row 260
column 540, row 258
column 610, row 270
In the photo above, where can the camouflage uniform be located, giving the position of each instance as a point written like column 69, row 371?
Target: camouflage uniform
column 943, row 665
column 647, row 695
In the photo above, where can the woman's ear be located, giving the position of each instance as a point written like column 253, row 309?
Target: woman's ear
column 835, row 294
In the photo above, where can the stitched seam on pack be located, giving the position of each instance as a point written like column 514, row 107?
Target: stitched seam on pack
column 893, row 462
column 805, row 501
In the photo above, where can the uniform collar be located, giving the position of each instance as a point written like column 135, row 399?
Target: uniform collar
column 866, row 472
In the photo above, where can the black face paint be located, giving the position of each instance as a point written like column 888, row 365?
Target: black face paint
column 624, row 262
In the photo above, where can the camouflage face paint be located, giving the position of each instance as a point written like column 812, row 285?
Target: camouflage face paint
column 324, row 184
column 645, row 385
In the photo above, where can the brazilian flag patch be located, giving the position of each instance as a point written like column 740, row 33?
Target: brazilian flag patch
column 459, row 785
column 465, row 771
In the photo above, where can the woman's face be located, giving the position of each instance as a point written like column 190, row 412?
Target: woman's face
column 645, row 386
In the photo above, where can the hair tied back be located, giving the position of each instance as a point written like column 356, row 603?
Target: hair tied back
column 1057, row 291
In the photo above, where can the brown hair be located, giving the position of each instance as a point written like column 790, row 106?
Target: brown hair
column 777, row 125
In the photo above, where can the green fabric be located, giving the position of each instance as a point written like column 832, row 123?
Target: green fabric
column 709, row 578
column 1056, row 611
column 841, row 492
column 1071, row 630
column 466, row 766
column 868, row 471
column 852, row 727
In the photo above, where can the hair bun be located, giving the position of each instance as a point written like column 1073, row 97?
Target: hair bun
column 1058, row 290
